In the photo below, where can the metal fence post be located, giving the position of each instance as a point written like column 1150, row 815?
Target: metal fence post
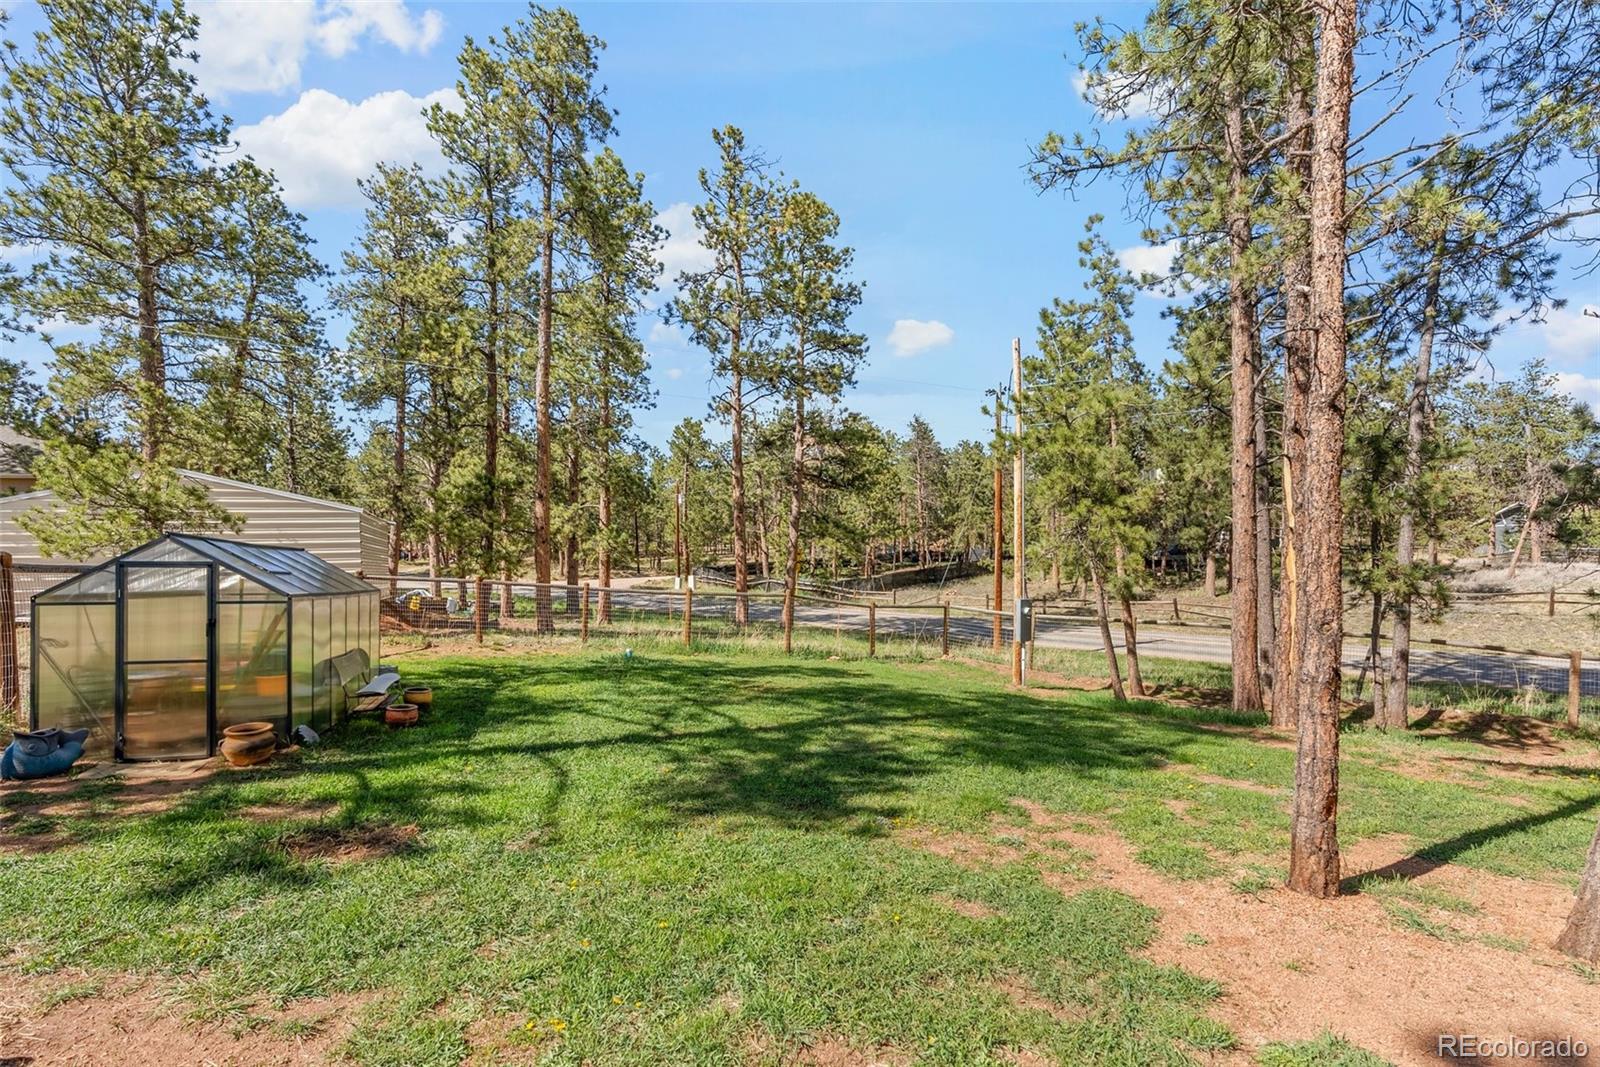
column 480, row 608
column 688, row 614
column 872, row 629
column 1574, row 688
column 10, row 669
column 944, row 630
column 583, row 616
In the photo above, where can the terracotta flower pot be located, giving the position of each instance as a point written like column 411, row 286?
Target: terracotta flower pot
column 420, row 695
column 247, row 743
column 400, row 715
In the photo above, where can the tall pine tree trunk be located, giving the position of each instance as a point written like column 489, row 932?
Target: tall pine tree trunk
column 397, row 493
column 605, row 502
column 1263, row 504
column 1298, row 346
column 1581, row 937
column 1102, row 618
column 1397, row 694
column 1242, row 340
column 791, row 573
column 1314, row 840
column 1130, row 646
column 544, row 621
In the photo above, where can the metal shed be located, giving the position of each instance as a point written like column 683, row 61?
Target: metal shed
column 157, row 651
column 342, row 534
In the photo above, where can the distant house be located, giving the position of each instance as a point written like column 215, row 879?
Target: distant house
column 17, row 453
column 342, row 534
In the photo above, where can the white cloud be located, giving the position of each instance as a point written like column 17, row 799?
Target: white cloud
column 910, row 336
column 1103, row 95
column 682, row 250
column 323, row 143
column 674, row 373
column 1580, row 387
column 259, row 45
column 1568, row 335
column 1149, row 259
column 666, row 333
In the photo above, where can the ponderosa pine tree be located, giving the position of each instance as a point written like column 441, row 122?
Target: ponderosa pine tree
column 556, row 113
column 394, row 289
column 482, row 202
column 112, row 156
column 810, row 297
column 617, row 226
column 724, row 306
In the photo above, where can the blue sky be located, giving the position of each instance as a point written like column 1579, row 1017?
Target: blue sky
column 913, row 120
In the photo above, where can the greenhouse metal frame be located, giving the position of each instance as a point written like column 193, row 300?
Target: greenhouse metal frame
column 158, row 650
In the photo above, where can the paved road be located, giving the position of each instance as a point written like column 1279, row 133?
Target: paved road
column 1428, row 664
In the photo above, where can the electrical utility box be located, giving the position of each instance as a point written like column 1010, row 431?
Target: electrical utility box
column 1022, row 621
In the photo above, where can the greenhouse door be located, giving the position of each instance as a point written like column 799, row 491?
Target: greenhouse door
column 164, row 645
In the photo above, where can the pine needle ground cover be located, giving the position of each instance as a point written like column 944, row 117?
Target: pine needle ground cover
column 733, row 857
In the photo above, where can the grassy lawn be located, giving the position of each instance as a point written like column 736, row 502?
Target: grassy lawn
column 713, row 858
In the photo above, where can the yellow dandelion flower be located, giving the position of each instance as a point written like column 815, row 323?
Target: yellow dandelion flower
column 897, row 918
column 638, row 1003
column 662, row 924
column 584, row 942
column 557, row 1025
column 616, row 1000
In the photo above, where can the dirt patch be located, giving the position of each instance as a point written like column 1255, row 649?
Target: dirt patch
column 1233, row 783
column 128, row 1021
column 353, row 844
column 505, row 1041
column 1292, row 967
column 969, row 850
column 826, row 1050
column 1023, row 995
column 304, row 809
column 972, row 909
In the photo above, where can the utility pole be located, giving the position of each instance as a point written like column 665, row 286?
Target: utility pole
column 1019, row 546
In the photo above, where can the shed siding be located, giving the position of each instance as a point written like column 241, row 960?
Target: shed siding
column 336, row 532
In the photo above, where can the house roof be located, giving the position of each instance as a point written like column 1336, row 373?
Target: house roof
column 18, row 451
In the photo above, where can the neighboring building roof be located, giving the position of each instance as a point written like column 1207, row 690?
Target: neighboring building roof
column 17, row 452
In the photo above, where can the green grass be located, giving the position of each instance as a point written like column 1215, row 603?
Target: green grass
column 681, row 858
column 1329, row 1050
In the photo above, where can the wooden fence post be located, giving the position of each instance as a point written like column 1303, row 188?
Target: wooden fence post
column 1177, row 616
column 688, row 614
column 10, row 669
column 872, row 629
column 1552, row 610
column 944, row 630
column 583, row 616
column 1574, row 688
column 480, row 607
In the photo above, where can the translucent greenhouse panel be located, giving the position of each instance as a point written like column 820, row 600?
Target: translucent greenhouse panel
column 302, row 662
column 97, row 585
column 164, row 703
column 164, row 552
column 322, row 668
column 75, row 686
column 231, row 585
column 164, row 711
column 373, row 612
column 166, row 609
column 252, row 664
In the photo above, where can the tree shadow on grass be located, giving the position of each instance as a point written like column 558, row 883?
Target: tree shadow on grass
column 1431, row 857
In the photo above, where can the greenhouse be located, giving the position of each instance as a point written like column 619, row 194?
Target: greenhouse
column 159, row 650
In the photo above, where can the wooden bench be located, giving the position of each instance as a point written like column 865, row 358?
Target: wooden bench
column 363, row 690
